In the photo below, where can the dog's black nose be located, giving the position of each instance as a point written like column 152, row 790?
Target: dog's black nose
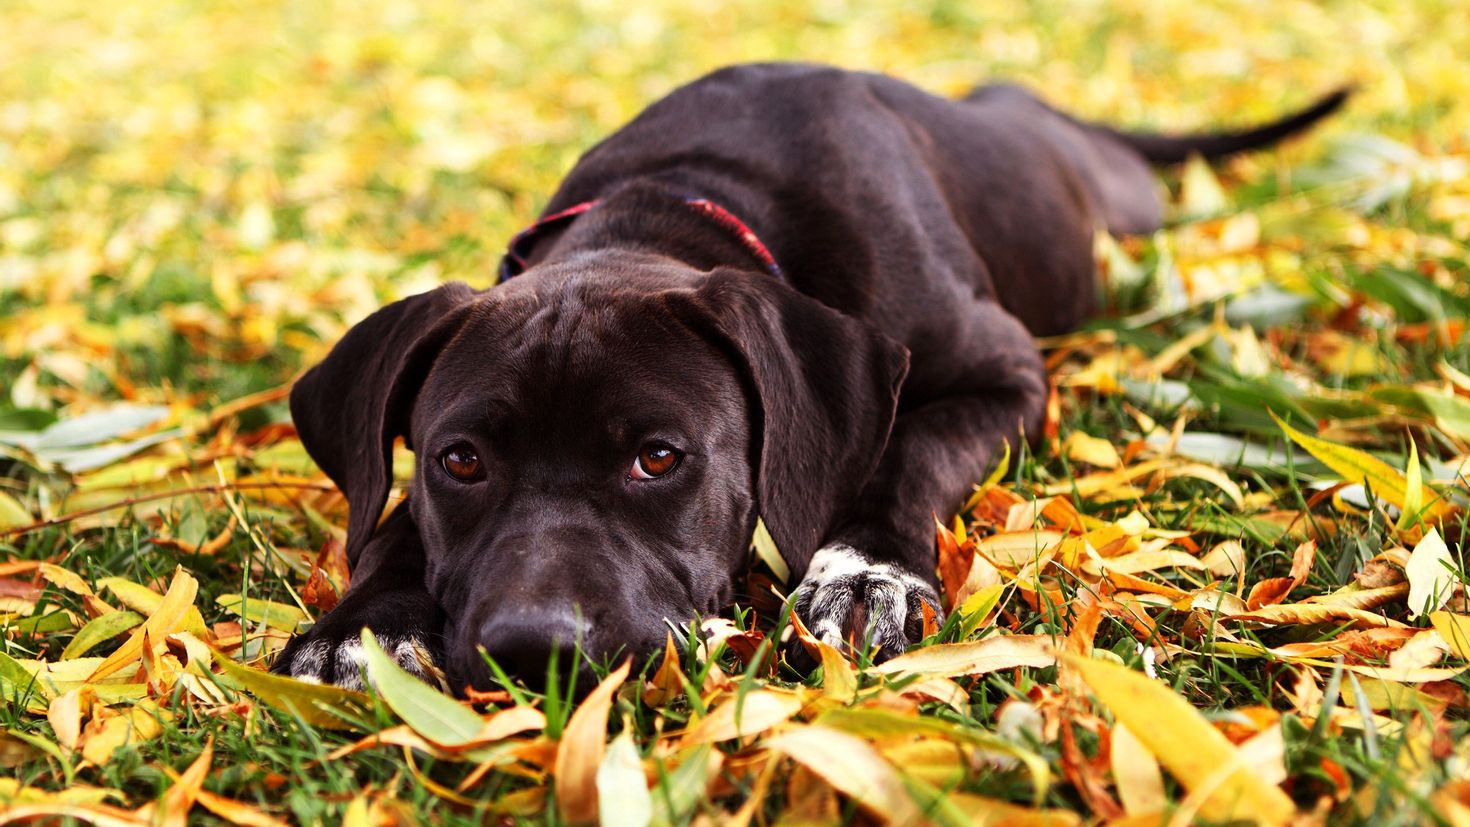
column 523, row 644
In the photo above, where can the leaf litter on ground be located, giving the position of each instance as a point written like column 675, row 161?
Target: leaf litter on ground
column 1227, row 582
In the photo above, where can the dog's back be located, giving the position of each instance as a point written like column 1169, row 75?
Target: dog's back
column 878, row 197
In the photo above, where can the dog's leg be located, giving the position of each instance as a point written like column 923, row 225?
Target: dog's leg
column 869, row 581
column 387, row 595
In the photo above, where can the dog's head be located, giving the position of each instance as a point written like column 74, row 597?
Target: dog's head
column 594, row 442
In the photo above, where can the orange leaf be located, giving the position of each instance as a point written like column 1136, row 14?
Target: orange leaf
column 180, row 797
column 580, row 752
column 955, row 559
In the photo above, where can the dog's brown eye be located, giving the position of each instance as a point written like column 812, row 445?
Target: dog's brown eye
column 462, row 463
column 654, row 460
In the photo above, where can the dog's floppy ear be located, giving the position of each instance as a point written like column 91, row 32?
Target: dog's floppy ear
column 349, row 408
column 827, row 386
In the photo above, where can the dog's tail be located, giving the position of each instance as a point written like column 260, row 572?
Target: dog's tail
column 1175, row 149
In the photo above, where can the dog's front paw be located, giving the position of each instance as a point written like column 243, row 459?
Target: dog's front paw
column 845, row 597
column 331, row 652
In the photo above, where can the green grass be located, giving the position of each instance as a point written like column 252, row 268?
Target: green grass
column 197, row 199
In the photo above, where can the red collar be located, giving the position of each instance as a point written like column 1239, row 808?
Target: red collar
column 514, row 262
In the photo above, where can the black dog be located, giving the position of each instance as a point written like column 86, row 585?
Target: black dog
column 784, row 290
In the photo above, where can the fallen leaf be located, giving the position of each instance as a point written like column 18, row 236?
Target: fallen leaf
column 431, row 713
column 179, row 799
column 1136, row 774
column 281, row 616
column 1192, row 750
column 1083, row 447
column 319, row 705
column 1363, row 468
column 744, row 715
column 166, row 618
column 667, row 682
column 974, row 658
column 1431, row 574
column 104, row 736
column 1225, row 559
column 99, row 630
column 854, row 767
column 622, row 790
column 1455, row 630
column 580, row 752
column 1304, row 613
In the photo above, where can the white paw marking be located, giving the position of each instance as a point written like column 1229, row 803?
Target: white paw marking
column 833, row 561
column 842, row 560
column 831, row 589
column 351, row 664
column 311, row 660
column 350, row 661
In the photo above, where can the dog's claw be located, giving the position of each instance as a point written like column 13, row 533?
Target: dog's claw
column 845, row 597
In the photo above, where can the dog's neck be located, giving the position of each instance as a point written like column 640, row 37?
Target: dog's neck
column 703, row 226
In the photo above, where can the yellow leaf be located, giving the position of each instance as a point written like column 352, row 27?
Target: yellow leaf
column 65, row 715
column 1422, row 674
column 145, row 601
column 275, row 615
column 13, row 792
column 1454, row 376
column 579, row 754
column 163, row 622
column 980, row 811
column 943, row 690
column 1104, row 481
column 1388, row 695
column 974, row 658
column 137, row 597
column 854, row 767
column 65, row 579
column 12, row 513
column 1210, row 474
column 139, row 723
column 1363, row 468
column 622, row 788
column 765, row 548
column 1455, row 629
column 1247, row 356
column 745, row 715
column 1226, row 559
column 1081, row 447
column 1014, row 549
column 317, row 704
column 1194, row 752
column 995, row 476
column 1143, row 561
column 1200, row 193
column 979, row 605
column 839, row 680
column 1136, row 774
column 1360, row 598
column 1431, row 574
column 100, row 815
column 1413, row 491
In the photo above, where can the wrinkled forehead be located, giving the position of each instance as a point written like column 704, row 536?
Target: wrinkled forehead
column 574, row 356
